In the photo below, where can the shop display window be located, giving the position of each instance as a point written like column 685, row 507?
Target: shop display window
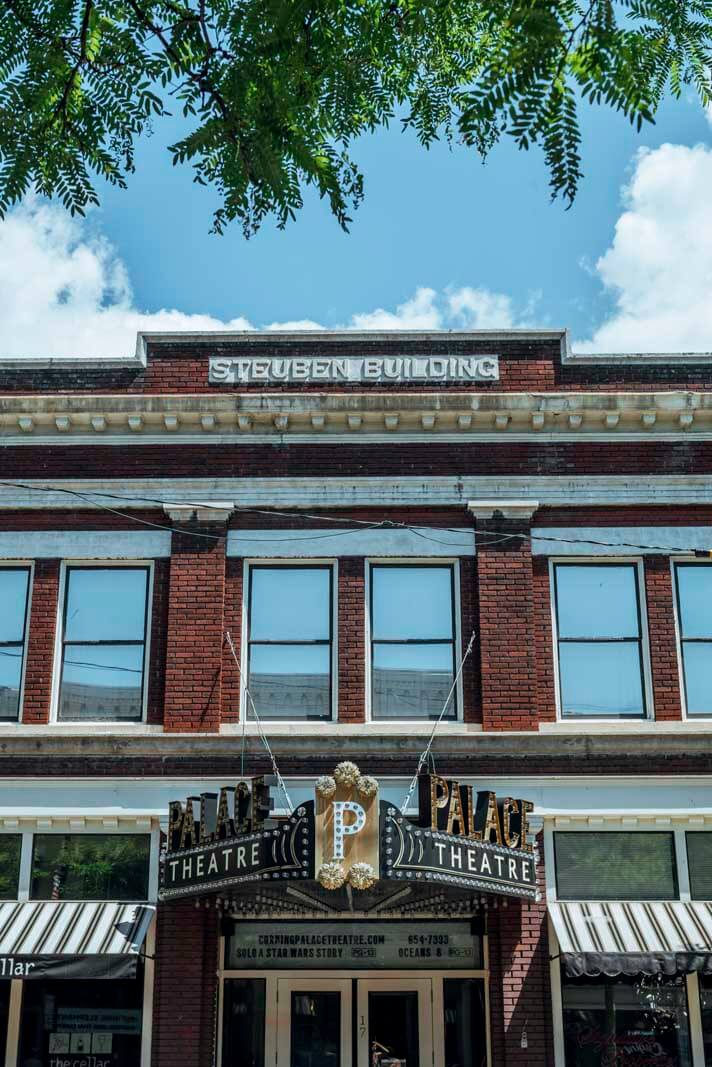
column 706, row 1012
column 243, row 1036
column 290, row 642
column 465, row 1022
column 626, row 1022
column 90, row 866
column 615, row 866
column 14, row 596
column 599, row 638
column 104, row 633
column 100, row 1019
column 5, row 988
column 699, row 864
column 694, row 613
column 10, row 849
column 412, row 641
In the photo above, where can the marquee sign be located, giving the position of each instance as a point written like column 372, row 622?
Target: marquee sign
column 327, row 370
column 348, row 836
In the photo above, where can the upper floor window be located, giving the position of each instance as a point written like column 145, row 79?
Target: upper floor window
column 14, row 595
column 412, row 641
column 599, row 636
column 694, row 613
column 10, row 849
column 615, row 865
column 290, row 641
column 104, row 636
column 90, row 866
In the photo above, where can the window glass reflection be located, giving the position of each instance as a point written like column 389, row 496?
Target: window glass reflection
column 243, row 1022
column 290, row 644
column 104, row 640
column 699, row 863
column 14, row 589
column 90, row 866
column 615, row 865
column 10, row 848
column 600, row 600
column 412, row 641
column 600, row 679
column 694, row 594
column 465, row 1022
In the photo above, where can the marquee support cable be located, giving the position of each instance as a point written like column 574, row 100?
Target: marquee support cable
column 426, row 753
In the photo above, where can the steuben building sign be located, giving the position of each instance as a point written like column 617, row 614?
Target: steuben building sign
column 237, row 370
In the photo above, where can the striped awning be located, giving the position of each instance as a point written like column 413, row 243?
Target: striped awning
column 98, row 939
column 633, row 937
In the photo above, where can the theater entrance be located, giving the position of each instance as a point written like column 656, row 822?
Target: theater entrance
column 349, row 1020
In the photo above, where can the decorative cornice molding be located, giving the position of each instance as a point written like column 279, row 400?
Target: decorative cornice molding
column 504, row 509
column 204, row 513
column 446, row 414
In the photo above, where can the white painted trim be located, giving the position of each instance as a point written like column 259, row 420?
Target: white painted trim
column 324, row 492
column 29, row 564
column 618, row 727
column 329, row 982
column 410, row 726
column 644, row 646
column 372, row 728
column 290, row 726
column 13, row 1023
column 419, row 984
column 59, row 630
column 694, row 1014
column 557, row 1009
column 24, row 882
column 85, row 544
column 622, row 540
column 354, row 541
column 149, row 973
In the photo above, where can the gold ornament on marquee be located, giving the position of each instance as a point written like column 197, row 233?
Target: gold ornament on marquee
column 362, row 875
column 347, row 773
column 331, row 875
column 367, row 786
column 325, row 786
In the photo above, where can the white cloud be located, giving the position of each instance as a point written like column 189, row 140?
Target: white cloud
column 65, row 292
column 421, row 312
column 658, row 268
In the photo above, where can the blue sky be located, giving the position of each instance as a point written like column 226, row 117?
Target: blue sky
column 440, row 241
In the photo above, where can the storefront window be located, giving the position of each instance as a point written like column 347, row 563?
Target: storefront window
column 694, row 610
column 599, row 640
column 465, row 1022
column 243, row 1040
column 104, row 643
column 10, row 848
column 615, row 866
column 14, row 589
column 290, row 642
column 626, row 1022
column 90, row 866
column 706, row 1011
column 101, row 1019
column 412, row 641
column 5, row 988
column 699, row 863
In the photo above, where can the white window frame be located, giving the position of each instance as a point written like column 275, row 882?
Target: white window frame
column 95, row 564
column 584, row 561
column 22, row 564
column 247, row 566
column 674, row 560
column 427, row 561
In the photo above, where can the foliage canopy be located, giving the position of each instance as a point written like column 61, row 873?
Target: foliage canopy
column 274, row 92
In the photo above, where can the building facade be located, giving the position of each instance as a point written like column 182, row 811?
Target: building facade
column 250, row 585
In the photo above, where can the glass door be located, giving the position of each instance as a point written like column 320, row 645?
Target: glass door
column 394, row 1022
column 313, row 1022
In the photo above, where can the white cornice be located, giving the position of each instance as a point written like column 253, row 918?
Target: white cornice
column 448, row 415
column 506, row 509
column 397, row 491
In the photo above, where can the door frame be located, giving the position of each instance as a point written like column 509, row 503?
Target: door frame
column 426, row 1018
column 284, row 989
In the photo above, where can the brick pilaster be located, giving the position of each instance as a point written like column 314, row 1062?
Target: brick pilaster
column 659, row 595
column 42, row 627
column 353, row 655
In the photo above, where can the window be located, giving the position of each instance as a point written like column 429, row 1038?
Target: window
column 104, row 632
column 694, row 613
column 290, row 638
column 412, row 641
column 10, row 848
column 626, row 1021
column 599, row 640
column 705, row 981
column 244, row 1021
column 90, row 866
column 699, row 864
column 615, row 866
column 14, row 593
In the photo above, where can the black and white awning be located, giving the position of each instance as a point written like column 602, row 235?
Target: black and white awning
column 633, row 937
column 71, row 939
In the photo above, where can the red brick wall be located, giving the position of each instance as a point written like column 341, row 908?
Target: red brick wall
column 667, row 700
column 185, row 992
column 195, row 631
column 520, row 1000
column 506, row 628
column 353, row 654
column 40, row 642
